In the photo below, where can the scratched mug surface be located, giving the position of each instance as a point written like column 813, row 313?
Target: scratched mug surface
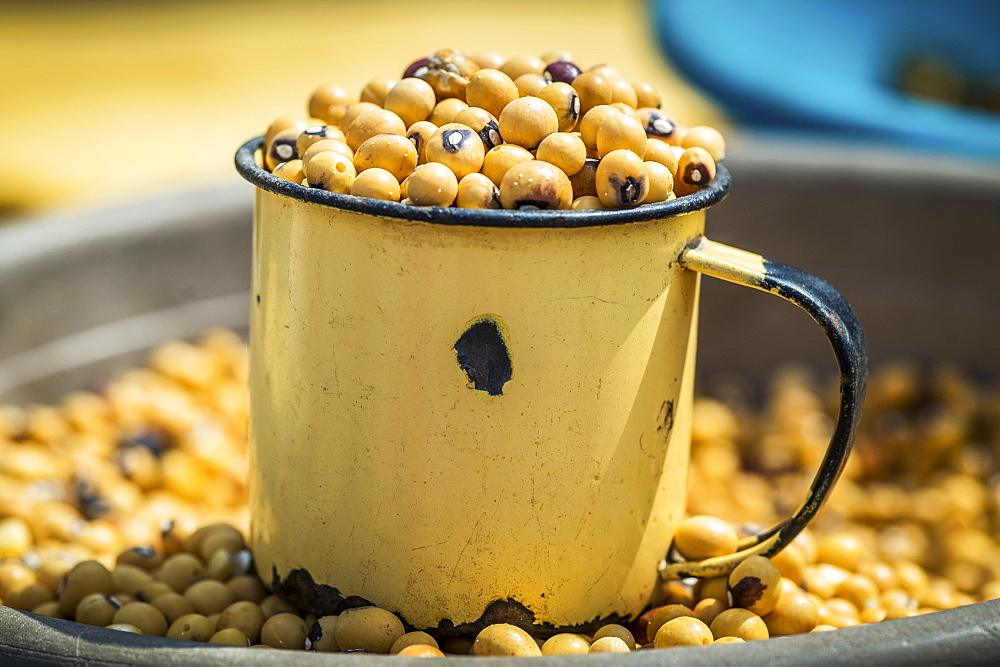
column 469, row 417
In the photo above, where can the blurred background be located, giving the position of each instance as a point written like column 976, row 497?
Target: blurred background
column 109, row 100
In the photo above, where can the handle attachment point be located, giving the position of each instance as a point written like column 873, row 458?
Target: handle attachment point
column 840, row 324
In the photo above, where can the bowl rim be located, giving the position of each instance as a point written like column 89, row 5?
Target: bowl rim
column 960, row 635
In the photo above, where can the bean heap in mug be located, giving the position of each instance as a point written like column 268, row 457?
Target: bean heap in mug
column 486, row 132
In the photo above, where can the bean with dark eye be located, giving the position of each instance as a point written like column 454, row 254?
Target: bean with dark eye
column 457, row 147
column 419, row 134
column 88, row 498
column 658, row 124
column 321, row 635
column 621, row 179
column 755, row 584
column 282, row 148
column 315, row 133
column 564, row 101
column 561, row 71
column 477, row 191
column 282, row 123
column 695, row 170
column 417, row 68
column 536, row 184
column 482, row 123
column 147, row 558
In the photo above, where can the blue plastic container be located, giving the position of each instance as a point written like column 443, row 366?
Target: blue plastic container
column 834, row 67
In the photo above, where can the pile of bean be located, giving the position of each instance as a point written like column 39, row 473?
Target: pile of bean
column 125, row 508
column 482, row 131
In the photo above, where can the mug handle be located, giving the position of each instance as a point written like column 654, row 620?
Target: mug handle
column 837, row 319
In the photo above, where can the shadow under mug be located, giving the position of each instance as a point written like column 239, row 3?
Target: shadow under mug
column 477, row 416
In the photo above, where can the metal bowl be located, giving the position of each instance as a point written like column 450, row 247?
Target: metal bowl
column 907, row 239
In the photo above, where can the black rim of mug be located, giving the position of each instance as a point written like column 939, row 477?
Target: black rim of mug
column 248, row 168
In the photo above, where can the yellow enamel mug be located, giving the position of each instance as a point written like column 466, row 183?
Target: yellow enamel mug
column 468, row 417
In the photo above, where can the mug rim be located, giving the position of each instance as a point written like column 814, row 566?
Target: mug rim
column 711, row 194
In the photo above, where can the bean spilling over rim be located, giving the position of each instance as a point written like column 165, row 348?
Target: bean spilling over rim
column 125, row 507
column 486, row 132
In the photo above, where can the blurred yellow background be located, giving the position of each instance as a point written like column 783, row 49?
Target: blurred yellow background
column 107, row 101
